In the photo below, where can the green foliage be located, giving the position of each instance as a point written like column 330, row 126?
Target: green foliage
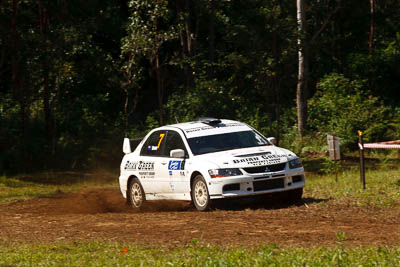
column 120, row 254
column 314, row 143
column 341, row 107
column 57, row 78
column 329, row 166
column 151, row 122
column 209, row 98
column 144, row 32
column 76, row 76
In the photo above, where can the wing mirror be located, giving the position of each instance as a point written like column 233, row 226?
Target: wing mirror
column 177, row 153
column 126, row 148
column 272, row 140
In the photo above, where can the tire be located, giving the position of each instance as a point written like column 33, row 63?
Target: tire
column 294, row 196
column 136, row 195
column 200, row 195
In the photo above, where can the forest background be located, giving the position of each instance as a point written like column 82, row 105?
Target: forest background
column 78, row 76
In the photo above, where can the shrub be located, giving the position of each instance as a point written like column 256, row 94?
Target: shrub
column 342, row 106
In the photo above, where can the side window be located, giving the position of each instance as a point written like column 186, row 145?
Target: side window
column 154, row 145
column 174, row 141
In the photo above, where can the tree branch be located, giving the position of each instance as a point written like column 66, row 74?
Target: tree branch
column 315, row 36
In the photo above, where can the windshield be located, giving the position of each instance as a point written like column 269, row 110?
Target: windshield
column 222, row 142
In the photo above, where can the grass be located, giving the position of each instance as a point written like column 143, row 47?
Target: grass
column 117, row 254
column 382, row 186
column 46, row 184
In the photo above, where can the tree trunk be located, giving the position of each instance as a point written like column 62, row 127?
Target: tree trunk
column 159, row 89
column 211, row 40
column 44, row 23
column 277, row 114
column 302, row 71
column 157, row 68
column 189, row 45
column 275, row 86
column 186, row 42
column 15, row 70
column 371, row 29
column 128, row 111
column 188, row 27
column 47, row 109
column 182, row 33
column 303, row 53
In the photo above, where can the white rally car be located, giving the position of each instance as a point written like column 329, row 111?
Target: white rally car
column 205, row 160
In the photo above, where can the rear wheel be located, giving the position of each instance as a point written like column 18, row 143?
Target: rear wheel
column 136, row 196
column 200, row 195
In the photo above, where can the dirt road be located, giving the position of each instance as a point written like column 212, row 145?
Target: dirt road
column 103, row 215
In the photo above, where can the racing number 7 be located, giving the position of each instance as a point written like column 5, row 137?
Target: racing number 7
column 161, row 138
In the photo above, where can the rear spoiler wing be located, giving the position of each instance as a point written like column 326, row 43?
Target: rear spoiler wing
column 131, row 144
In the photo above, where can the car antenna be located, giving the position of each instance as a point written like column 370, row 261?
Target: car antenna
column 176, row 119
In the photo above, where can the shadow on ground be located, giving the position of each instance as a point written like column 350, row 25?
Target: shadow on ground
column 268, row 202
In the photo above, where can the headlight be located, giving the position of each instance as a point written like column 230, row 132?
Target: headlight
column 296, row 163
column 216, row 173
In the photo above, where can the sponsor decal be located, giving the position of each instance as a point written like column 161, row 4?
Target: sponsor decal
column 266, row 159
column 250, row 159
column 152, row 148
column 182, row 173
column 147, row 175
column 130, row 165
column 170, row 173
column 145, row 166
column 210, row 127
column 140, row 166
column 176, row 165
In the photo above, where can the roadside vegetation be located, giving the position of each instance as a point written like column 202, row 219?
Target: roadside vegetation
column 341, row 182
column 47, row 184
column 382, row 187
column 120, row 254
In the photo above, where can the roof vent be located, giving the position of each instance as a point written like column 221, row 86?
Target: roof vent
column 210, row 121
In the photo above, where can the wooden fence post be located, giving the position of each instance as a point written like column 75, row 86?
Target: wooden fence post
column 362, row 167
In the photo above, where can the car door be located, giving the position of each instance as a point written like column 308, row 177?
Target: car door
column 175, row 167
column 151, row 164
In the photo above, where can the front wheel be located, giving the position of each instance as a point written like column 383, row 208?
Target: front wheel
column 136, row 196
column 294, row 196
column 200, row 195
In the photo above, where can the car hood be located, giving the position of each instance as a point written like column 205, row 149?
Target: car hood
column 249, row 157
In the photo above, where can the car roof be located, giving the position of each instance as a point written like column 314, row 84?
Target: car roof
column 204, row 127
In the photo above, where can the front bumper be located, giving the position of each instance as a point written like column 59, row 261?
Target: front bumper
column 256, row 184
